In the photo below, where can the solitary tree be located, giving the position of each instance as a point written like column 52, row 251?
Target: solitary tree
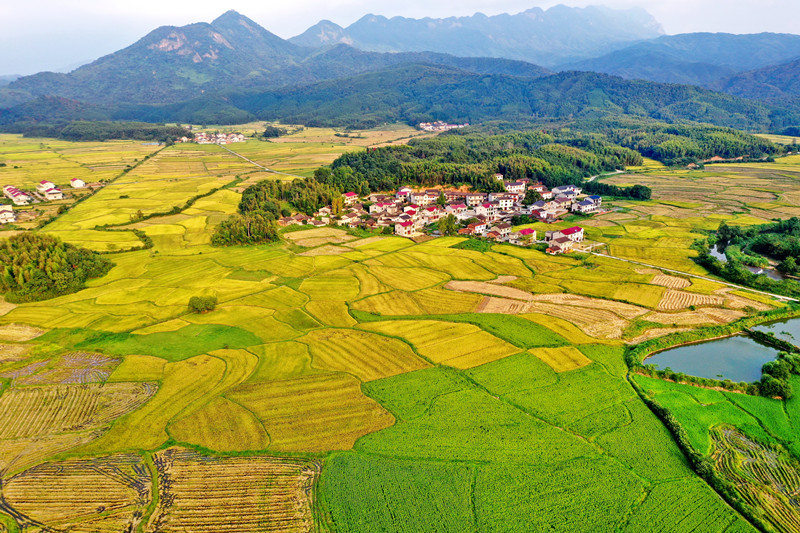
column 447, row 225
column 531, row 197
column 337, row 205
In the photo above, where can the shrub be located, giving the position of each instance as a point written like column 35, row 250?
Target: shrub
column 202, row 304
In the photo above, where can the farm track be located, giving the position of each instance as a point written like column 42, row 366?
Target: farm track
column 262, row 167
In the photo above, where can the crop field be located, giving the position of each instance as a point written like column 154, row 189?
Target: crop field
column 352, row 383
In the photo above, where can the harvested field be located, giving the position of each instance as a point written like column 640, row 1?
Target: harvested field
column 73, row 368
column 327, row 249
column 503, row 306
column 655, row 333
column 232, row 494
column 674, row 300
column 319, row 236
column 595, row 322
column 622, row 309
column 684, row 318
column 108, row 494
column 18, row 454
column 5, row 307
column 19, row 332
column 648, row 271
column 562, row 359
column 10, row 353
column 671, row 282
column 39, row 411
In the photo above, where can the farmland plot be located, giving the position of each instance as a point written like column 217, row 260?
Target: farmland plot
column 107, row 494
column 247, row 494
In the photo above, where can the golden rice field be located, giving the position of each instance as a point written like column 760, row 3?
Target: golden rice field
column 333, row 345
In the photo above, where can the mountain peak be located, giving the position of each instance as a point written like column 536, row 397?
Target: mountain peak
column 230, row 15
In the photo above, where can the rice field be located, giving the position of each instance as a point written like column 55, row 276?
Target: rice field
column 359, row 383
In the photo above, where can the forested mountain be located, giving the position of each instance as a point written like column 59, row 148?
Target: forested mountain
column 773, row 83
column 414, row 93
column 172, row 65
column 694, row 58
column 550, row 37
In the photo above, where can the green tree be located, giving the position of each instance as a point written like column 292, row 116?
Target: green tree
column 531, row 197
column 202, row 304
column 441, row 201
column 337, row 205
column 447, row 225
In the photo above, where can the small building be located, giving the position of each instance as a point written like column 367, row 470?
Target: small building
column 589, row 205
column 405, row 229
column 503, row 229
column 53, row 194
column 574, row 234
column 478, row 228
column 7, row 215
column 562, row 245
column 564, row 189
column 16, row 195
column 404, row 192
column 350, row 198
column 515, row 186
column 522, row 237
column 77, row 183
column 45, row 185
column 475, row 199
column 499, row 177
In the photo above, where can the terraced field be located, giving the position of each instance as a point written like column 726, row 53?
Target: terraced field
column 352, row 383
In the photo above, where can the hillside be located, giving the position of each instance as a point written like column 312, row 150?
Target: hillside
column 778, row 82
column 550, row 37
column 694, row 58
column 414, row 93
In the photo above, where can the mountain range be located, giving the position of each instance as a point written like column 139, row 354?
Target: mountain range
column 548, row 38
column 376, row 70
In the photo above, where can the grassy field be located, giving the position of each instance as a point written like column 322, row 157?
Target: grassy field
column 364, row 384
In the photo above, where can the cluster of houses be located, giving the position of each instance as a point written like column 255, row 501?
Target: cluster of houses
column 45, row 191
column 7, row 215
column 440, row 126
column 486, row 215
column 214, row 138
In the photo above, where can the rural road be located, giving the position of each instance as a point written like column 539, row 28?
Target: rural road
column 604, row 175
column 262, row 167
column 740, row 287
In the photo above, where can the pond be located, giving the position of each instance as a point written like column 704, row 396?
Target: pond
column 719, row 253
column 736, row 358
column 787, row 330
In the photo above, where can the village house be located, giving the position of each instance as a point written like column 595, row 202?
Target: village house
column 522, row 237
column 405, row 229
column 7, row 215
column 349, row 198
column 562, row 203
column 454, row 196
column 53, row 194
column 564, row 189
column 16, row 195
column 431, row 214
column 499, row 177
column 515, row 186
column 561, row 245
column 478, row 228
column 77, row 183
column 504, row 229
column 475, row 199
column 457, row 210
column 403, row 193
column 493, row 235
column 44, row 185
column 589, row 205
column 574, row 234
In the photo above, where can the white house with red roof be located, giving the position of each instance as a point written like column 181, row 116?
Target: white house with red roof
column 405, row 229
column 45, row 185
column 53, row 194
column 7, row 215
column 16, row 195
column 574, row 234
column 77, row 183
column 522, row 237
column 350, row 198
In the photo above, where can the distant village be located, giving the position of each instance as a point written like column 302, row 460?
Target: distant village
column 411, row 213
column 46, row 191
column 214, row 138
column 439, row 126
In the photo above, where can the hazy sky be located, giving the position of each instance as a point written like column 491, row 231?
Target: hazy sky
column 40, row 35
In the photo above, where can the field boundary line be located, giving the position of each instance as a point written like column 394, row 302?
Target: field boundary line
column 740, row 287
column 262, row 167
